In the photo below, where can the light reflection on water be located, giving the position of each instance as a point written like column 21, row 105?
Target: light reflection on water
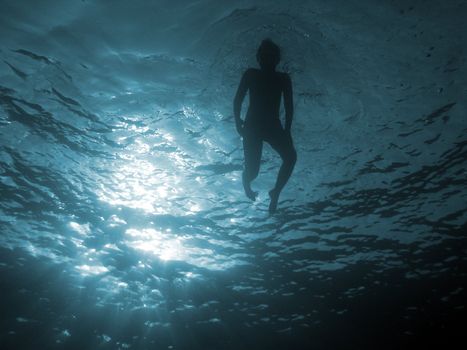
column 163, row 244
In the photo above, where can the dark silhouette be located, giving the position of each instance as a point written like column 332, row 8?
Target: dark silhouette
column 262, row 122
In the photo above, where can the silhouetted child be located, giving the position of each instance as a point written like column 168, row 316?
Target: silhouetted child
column 262, row 123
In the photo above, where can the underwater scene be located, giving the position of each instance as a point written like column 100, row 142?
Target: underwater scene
column 124, row 222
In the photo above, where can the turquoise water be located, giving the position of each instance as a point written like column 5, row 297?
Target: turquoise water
column 122, row 216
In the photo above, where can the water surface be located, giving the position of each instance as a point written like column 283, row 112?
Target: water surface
column 123, row 221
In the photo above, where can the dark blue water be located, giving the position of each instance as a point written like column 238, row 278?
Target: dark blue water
column 122, row 216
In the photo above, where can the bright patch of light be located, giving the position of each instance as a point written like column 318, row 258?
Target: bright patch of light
column 137, row 184
column 165, row 246
column 115, row 221
column 189, row 112
column 92, row 270
column 143, row 178
column 168, row 137
column 81, row 229
column 122, row 284
column 195, row 208
column 136, row 128
column 141, row 147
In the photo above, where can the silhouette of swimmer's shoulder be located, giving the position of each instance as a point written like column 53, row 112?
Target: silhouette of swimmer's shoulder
column 256, row 72
column 255, row 75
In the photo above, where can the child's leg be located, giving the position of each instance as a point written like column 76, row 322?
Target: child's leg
column 282, row 143
column 252, row 148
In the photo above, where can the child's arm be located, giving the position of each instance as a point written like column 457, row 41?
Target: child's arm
column 239, row 96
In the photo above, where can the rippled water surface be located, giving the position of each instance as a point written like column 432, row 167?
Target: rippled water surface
column 122, row 216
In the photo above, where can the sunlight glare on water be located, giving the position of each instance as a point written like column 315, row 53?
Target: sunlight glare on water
column 137, row 181
column 164, row 245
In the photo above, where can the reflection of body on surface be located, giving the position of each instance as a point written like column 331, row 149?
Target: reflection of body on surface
column 262, row 122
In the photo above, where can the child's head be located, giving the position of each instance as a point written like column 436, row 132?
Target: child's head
column 268, row 55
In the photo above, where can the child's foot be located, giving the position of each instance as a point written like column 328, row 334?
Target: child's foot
column 248, row 191
column 274, row 198
column 251, row 194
